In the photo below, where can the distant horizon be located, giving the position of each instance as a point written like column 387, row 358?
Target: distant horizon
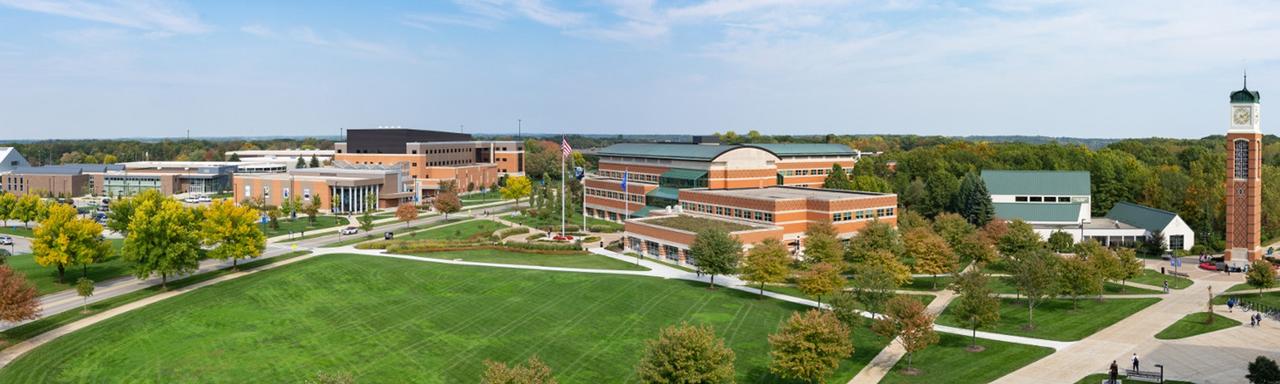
column 541, row 134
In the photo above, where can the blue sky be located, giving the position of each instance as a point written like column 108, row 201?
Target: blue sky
column 101, row 69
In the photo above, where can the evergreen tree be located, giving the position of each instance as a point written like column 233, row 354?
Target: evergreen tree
column 974, row 200
column 315, row 163
column 301, row 163
column 837, row 179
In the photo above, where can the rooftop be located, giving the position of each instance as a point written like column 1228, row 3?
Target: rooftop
column 699, row 152
column 696, row 223
column 1148, row 218
column 789, row 193
column 1039, row 212
column 1000, row 182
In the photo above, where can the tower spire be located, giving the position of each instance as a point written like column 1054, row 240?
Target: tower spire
column 1246, row 78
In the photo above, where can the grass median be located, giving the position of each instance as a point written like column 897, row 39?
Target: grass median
column 1056, row 320
column 1194, row 324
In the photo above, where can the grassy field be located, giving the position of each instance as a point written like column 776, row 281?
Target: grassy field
column 17, row 231
column 46, row 278
column 541, row 223
column 1099, row 377
column 48, row 323
column 1270, row 299
column 574, row 260
column 1193, row 324
column 297, row 226
column 471, row 230
column 1154, row 278
column 949, row 362
column 1055, row 320
column 387, row 320
column 793, row 291
column 1004, row 285
column 480, row 198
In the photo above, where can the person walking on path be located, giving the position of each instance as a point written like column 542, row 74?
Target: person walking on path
column 1166, row 286
column 1231, row 303
column 1114, row 373
column 1135, row 363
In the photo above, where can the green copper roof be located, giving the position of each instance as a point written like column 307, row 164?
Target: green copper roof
column 1050, row 183
column 643, row 212
column 1245, row 96
column 1039, row 212
column 687, row 174
column 665, row 193
column 698, row 152
column 1151, row 219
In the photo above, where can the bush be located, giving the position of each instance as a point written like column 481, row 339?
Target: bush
column 505, row 233
column 591, row 239
column 603, row 228
column 549, row 248
column 536, row 236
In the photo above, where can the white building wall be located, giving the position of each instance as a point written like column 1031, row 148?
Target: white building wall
column 1179, row 227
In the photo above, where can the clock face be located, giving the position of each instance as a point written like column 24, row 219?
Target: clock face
column 1240, row 116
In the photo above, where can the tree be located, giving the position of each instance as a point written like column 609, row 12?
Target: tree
column 915, row 195
column 953, row 228
column 1263, row 370
column 767, row 262
column 84, row 288
column 899, row 272
column 933, row 255
column 447, row 202
column 686, row 354
column 1128, row 266
column 516, row 188
column 301, row 163
column 877, row 235
column 871, row 183
column 65, row 239
column 821, row 243
column 1153, row 246
column 908, row 220
column 845, row 306
column 533, row 371
column 820, row 279
column 1078, row 277
column 18, row 300
column 163, row 238
column 1060, row 242
column 837, row 179
column 906, row 320
column 1035, row 275
column 1020, row 238
column 291, row 206
column 809, row 346
column 234, row 157
column 273, row 217
column 7, row 203
column 312, row 208
column 873, row 286
column 974, row 200
column 29, row 208
column 315, row 163
column 977, row 306
column 1261, row 275
column 975, row 247
column 716, row 253
column 231, row 231
column 122, row 210
column 406, row 213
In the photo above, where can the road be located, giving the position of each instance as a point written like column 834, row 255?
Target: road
column 59, row 302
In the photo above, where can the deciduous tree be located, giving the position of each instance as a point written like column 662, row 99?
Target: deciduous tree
column 533, row 371
column 821, row 244
column 1127, row 266
column 18, row 300
column 65, row 239
column 1263, row 370
column 1060, row 242
column 873, row 286
column 809, row 346
column 877, row 235
column 906, row 321
column 953, row 228
column 767, row 262
column 84, row 288
column 1035, row 275
column 1020, row 239
column 516, row 187
column 8, row 201
column 1261, row 275
column 686, row 354
column 932, row 254
column 122, row 210
column 975, row 247
column 406, row 213
column 837, row 179
column 889, row 263
column 29, row 208
column 312, row 208
column 1077, row 277
column 716, row 252
column 977, row 306
column 163, row 238
column 231, row 231
column 820, row 279
column 447, row 202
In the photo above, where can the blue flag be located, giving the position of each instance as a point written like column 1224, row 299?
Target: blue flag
column 624, row 180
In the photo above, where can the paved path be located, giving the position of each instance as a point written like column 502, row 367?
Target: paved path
column 889, row 356
column 1218, row 357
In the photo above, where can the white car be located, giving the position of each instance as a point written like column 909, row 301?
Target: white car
column 206, row 199
column 191, row 200
column 350, row 231
column 6, row 240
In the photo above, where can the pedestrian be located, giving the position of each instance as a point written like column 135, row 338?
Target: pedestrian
column 1166, row 286
column 1253, row 320
column 1135, row 363
column 1231, row 303
column 1259, row 316
column 1114, row 373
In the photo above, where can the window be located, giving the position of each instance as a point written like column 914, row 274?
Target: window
column 306, row 193
column 266, row 192
column 248, row 191
column 1064, row 199
column 1175, row 242
column 1020, row 198
column 1035, row 199
column 1242, row 159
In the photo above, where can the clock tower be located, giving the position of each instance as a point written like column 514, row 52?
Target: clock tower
column 1244, row 177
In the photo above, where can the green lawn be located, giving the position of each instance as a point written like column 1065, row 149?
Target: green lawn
column 573, row 260
column 46, row 278
column 470, row 230
column 388, row 320
column 17, row 231
column 302, row 223
column 48, row 323
column 949, row 362
column 1099, row 377
column 793, row 291
column 1055, row 320
column 1004, row 285
column 1270, row 299
column 542, row 223
column 1243, row 288
column 927, row 283
column 1154, row 278
column 1193, row 324
column 480, row 198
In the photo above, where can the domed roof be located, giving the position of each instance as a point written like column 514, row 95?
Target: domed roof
column 1245, row 95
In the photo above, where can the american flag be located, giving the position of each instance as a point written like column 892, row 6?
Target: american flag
column 565, row 148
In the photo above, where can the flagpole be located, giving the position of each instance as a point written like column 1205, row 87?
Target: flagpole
column 563, row 209
column 626, row 195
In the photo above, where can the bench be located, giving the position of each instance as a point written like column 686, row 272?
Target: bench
column 1151, row 376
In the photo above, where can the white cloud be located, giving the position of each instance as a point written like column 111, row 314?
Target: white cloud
column 428, row 21
column 309, row 36
column 149, row 15
column 258, row 30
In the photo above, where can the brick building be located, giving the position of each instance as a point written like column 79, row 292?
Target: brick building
column 430, row 158
column 339, row 190
column 1244, row 177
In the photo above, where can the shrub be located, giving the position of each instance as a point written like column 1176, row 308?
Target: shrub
column 603, row 228
column 591, row 239
column 536, row 236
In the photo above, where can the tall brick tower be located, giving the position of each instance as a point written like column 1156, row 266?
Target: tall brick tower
column 1244, row 177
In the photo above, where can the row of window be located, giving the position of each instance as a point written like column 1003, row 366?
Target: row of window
column 266, row 192
column 740, row 213
column 808, row 172
column 14, row 184
column 1044, row 199
column 862, row 214
column 616, row 195
column 631, row 176
column 442, row 150
column 636, row 159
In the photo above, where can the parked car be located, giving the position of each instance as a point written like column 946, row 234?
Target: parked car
column 6, row 240
column 349, row 231
column 388, row 235
column 206, row 199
